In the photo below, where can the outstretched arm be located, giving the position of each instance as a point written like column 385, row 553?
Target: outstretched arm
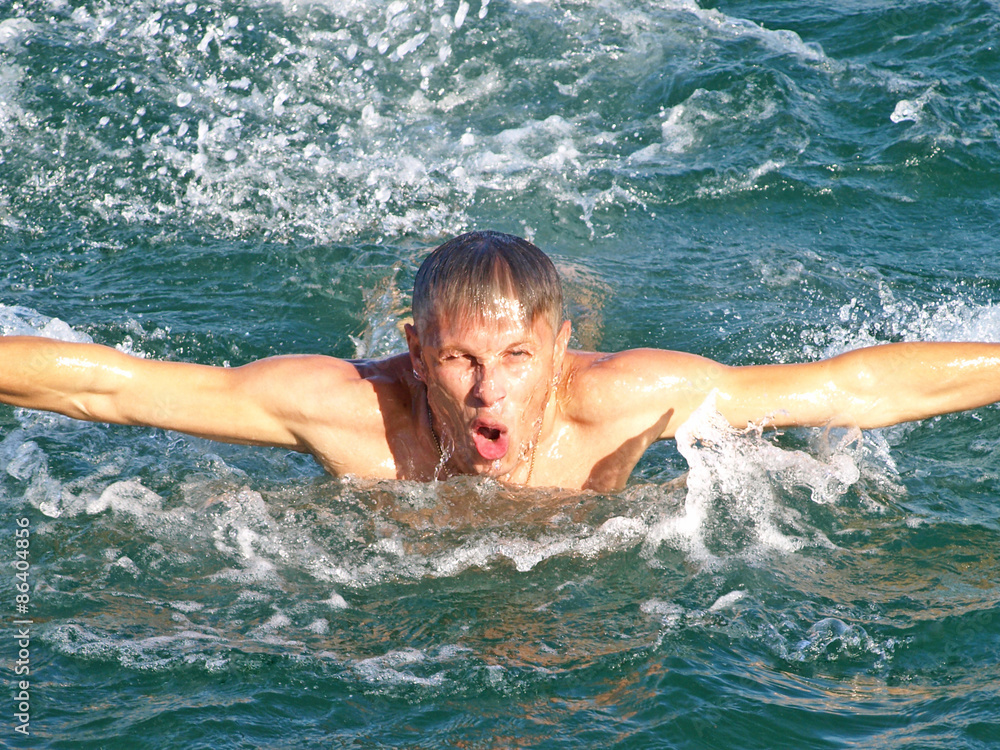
column 655, row 391
column 871, row 387
column 261, row 403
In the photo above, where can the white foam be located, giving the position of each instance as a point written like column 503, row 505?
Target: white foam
column 279, row 622
column 23, row 321
column 336, row 601
column 911, row 110
column 24, row 460
column 671, row 614
column 128, row 496
column 953, row 318
column 461, row 13
column 389, row 668
column 831, row 638
column 726, row 601
column 906, row 110
column 14, row 30
column 780, row 40
column 21, row 458
column 237, row 536
column 151, row 653
column 319, row 626
column 127, row 565
column 738, row 476
column 325, row 148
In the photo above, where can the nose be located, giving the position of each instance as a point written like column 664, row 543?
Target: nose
column 489, row 388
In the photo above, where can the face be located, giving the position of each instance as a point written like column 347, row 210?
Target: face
column 488, row 386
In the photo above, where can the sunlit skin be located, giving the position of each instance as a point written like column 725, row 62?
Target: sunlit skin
column 502, row 392
column 491, row 389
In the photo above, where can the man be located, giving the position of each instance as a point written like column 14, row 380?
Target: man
column 489, row 387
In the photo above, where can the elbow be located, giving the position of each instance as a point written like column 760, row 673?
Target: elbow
column 92, row 408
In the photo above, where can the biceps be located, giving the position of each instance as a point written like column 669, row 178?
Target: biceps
column 232, row 405
column 813, row 394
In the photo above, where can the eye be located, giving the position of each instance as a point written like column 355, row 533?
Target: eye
column 458, row 359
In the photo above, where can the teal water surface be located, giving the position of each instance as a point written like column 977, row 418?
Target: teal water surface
column 752, row 181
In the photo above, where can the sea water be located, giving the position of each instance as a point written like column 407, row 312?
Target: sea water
column 753, row 181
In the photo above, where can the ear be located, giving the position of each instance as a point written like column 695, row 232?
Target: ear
column 413, row 343
column 562, row 344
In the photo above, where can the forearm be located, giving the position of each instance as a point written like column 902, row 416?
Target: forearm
column 904, row 382
column 68, row 378
column 872, row 387
column 266, row 402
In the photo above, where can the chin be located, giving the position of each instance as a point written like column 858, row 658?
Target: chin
column 493, row 469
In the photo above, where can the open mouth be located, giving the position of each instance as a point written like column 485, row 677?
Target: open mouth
column 490, row 439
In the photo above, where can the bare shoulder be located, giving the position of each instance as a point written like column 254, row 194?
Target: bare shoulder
column 595, row 379
column 317, row 385
column 637, row 390
column 354, row 416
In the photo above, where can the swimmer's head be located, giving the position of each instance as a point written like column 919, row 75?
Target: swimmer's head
column 487, row 278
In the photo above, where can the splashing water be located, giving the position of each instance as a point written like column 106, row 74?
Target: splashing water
column 734, row 487
column 220, row 182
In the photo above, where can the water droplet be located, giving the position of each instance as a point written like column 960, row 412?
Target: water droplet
column 461, row 13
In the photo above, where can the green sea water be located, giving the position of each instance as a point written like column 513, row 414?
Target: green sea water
column 752, row 181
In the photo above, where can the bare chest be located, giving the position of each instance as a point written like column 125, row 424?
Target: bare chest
column 579, row 457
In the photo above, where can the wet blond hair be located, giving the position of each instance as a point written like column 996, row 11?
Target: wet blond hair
column 476, row 275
